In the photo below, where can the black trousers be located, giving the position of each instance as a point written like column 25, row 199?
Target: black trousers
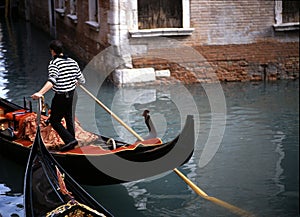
column 62, row 107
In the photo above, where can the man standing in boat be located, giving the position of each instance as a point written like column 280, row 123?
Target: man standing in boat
column 63, row 76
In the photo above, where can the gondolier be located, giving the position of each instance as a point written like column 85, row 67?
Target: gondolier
column 63, row 76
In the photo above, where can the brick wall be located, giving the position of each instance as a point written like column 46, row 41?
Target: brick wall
column 251, row 62
column 259, row 61
column 218, row 22
column 84, row 41
column 237, row 41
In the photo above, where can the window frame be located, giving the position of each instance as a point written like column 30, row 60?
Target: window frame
column 279, row 25
column 73, row 11
column 61, row 8
column 135, row 32
column 94, row 17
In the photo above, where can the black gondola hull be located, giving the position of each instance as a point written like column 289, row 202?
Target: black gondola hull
column 50, row 191
column 118, row 167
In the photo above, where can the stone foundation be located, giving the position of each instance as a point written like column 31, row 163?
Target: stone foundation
column 125, row 76
column 249, row 62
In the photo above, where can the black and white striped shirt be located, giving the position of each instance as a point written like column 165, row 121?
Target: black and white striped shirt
column 63, row 73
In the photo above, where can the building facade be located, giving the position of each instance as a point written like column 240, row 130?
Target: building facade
column 186, row 40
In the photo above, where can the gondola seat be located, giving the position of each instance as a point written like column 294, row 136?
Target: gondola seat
column 15, row 117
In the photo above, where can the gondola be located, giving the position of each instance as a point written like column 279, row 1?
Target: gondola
column 102, row 161
column 49, row 191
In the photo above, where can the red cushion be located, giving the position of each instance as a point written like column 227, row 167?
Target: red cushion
column 18, row 114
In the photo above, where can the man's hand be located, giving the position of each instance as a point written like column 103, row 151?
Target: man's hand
column 47, row 86
column 36, row 95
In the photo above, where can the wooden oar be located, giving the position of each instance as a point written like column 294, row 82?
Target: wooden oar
column 217, row 201
column 200, row 192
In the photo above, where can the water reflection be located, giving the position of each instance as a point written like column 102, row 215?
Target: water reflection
column 169, row 107
column 278, row 141
column 258, row 155
column 3, row 71
column 24, row 56
column 11, row 187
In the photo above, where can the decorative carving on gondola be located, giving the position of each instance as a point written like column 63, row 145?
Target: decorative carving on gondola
column 62, row 186
column 74, row 209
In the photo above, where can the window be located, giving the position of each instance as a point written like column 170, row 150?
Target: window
column 61, row 4
column 73, row 11
column 161, row 18
column 73, row 7
column 159, row 14
column 61, row 8
column 286, row 15
column 93, row 10
column 290, row 11
column 93, row 21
